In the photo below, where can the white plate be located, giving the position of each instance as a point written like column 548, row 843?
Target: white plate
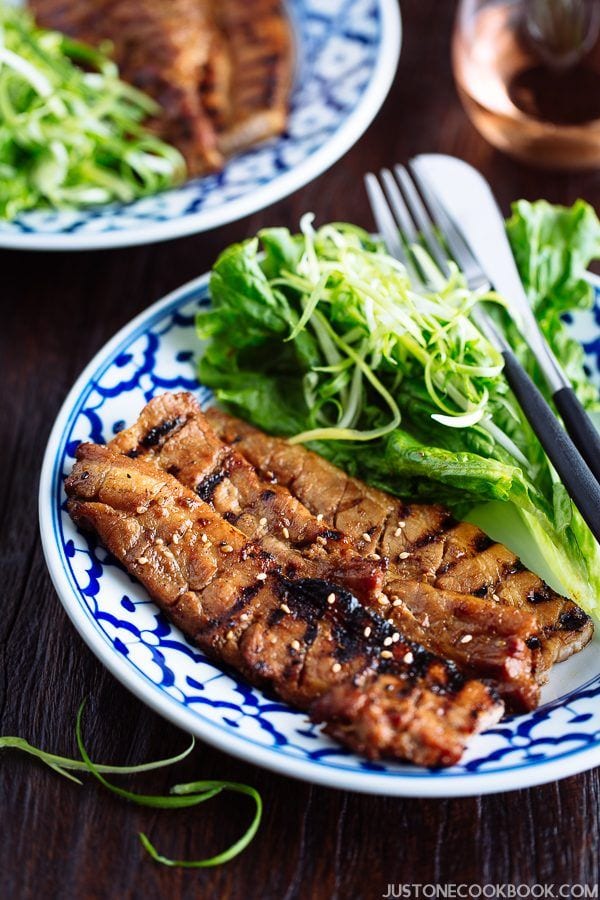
column 347, row 56
column 113, row 613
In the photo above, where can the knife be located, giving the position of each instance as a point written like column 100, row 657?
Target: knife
column 470, row 203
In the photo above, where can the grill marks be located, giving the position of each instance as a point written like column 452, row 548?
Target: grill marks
column 221, row 71
column 222, row 477
column 484, row 641
column 426, row 544
column 277, row 627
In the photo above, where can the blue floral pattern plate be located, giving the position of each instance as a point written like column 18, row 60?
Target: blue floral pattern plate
column 347, row 53
column 158, row 352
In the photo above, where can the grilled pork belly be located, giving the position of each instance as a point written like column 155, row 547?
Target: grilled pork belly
column 161, row 48
column 422, row 542
column 250, row 75
column 221, row 71
column 307, row 639
column 484, row 640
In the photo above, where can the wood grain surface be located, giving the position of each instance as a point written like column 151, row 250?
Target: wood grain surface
column 58, row 840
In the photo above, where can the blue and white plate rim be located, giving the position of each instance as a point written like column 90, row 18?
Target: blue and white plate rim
column 346, row 135
column 416, row 783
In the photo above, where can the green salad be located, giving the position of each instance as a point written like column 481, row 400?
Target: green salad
column 71, row 132
column 321, row 336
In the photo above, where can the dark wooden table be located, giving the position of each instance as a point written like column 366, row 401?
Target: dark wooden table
column 59, row 840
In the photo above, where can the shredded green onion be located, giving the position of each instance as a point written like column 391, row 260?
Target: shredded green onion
column 181, row 796
column 71, row 132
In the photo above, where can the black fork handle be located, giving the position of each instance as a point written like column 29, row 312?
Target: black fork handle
column 583, row 432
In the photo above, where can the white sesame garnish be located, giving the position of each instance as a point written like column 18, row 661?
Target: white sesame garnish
column 396, row 601
column 387, row 641
column 140, row 509
column 386, row 654
column 262, row 521
column 320, row 517
column 425, row 622
column 286, row 533
column 383, row 600
column 159, row 542
column 375, row 556
column 408, row 658
column 285, row 608
column 366, row 536
column 295, row 645
column 367, row 631
column 230, row 635
column 262, row 576
column 331, row 599
column 204, row 538
column 142, row 560
column 401, row 524
column 336, row 667
column 175, row 538
column 496, row 598
column 243, row 617
column 227, row 548
column 395, row 637
column 404, row 555
column 466, row 638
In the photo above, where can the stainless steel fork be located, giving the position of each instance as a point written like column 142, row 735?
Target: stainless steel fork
column 404, row 221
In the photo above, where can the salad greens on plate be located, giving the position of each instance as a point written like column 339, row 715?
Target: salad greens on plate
column 321, row 336
column 71, row 132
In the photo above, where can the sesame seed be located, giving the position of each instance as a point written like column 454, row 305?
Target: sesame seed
column 204, row 538
column 387, row 641
column 140, row 509
column 142, row 560
column 383, row 600
column 286, row 533
column 425, row 622
column 336, row 667
column 164, row 512
column 273, row 639
column 397, row 601
column 331, row 599
column 401, row 524
column 404, row 555
column 295, row 645
column 243, row 617
column 262, row 521
column 367, row 631
column 386, row 654
column 366, row 536
column 175, row 538
column 262, row 576
column 395, row 637
column 230, row 635
column 320, row 517
column 285, row 608
column 159, row 542
column 227, row 548
column 408, row 658
column 496, row 598
column 374, row 556
column 465, row 639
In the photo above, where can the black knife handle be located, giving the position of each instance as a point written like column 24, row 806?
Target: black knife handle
column 572, row 469
column 584, row 433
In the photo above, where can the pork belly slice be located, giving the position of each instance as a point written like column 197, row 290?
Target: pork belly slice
column 172, row 432
column 484, row 641
column 304, row 638
column 161, row 48
column 422, row 542
column 250, row 74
